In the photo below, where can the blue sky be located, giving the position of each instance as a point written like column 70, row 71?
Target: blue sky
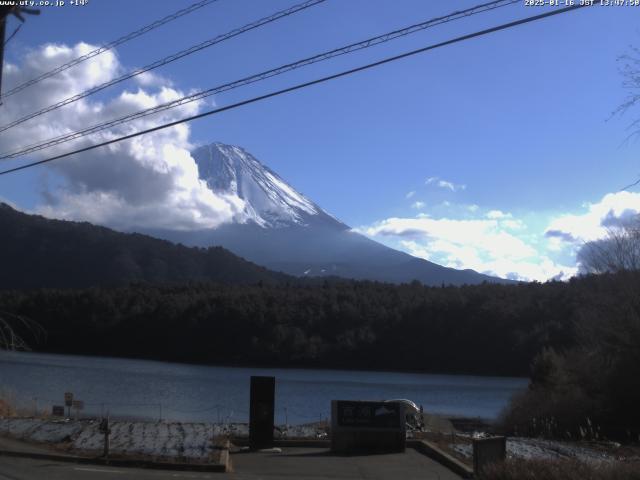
column 518, row 122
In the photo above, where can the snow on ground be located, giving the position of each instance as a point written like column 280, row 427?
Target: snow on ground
column 155, row 439
column 38, row 430
column 528, row 448
column 195, row 441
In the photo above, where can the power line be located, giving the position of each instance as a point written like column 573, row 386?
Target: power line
column 109, row 46
column 15, row 31
column 300, row 86
column 168, row 59
column 370, row 42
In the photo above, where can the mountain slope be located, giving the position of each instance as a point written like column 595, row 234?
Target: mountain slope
column 36, row 252
column 283, row 230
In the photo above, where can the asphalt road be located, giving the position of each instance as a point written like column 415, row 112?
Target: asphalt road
column 14, row 468
column 292, row 463
column 319, row 464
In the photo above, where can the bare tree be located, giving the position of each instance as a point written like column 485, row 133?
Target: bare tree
column 619, row 251
column 13, row 329
column 629, row 68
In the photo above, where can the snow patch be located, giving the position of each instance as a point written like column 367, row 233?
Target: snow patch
column 530, row 448
column 268, row 200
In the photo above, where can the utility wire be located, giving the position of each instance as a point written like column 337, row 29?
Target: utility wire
column 168, row 59
column 17, row 29
column 300, row 86
column 370, row 42
column 109, row 46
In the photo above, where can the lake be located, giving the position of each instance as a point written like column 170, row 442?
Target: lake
column 150, row 389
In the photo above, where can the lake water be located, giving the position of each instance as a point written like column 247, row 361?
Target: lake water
column 149, row 389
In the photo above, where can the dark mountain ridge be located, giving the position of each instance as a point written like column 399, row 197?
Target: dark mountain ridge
column 37, row 252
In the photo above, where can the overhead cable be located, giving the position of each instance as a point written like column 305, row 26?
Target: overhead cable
column 166, row 60
column 108, row 46
column 369, row 42
column 300, row 86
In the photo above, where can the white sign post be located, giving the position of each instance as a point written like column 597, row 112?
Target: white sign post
column 68, row 402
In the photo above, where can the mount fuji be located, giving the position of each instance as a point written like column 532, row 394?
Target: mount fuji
column 283, row 230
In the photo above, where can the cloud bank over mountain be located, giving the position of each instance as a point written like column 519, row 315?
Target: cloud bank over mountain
column 500, row 243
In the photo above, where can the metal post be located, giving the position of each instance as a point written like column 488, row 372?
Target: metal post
column 106, row 430
column 3, row 24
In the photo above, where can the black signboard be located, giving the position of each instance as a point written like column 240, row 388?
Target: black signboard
column 57, row 411
column 261, row 412
column 369, row 414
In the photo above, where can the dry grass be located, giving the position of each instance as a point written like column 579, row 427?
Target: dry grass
column 6, row 409
column 561, row 470
column 11, row 407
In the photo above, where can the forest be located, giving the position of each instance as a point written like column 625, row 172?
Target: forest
column 485, row 329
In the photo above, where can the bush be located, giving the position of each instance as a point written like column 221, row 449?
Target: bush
column 544, row 412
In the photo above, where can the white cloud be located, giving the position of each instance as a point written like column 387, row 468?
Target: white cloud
column 150, row 181
column 410, row 194
column 498, row 243
column 418, row 205
column 497, row 214
column 487, row 245
column 438, row 182
column 593, row 224
column 152, row 79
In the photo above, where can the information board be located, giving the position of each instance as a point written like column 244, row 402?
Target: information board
column 367, row 426
column 369, row 414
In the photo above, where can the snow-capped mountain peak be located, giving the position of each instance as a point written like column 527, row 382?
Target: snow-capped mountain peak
column 269, row 200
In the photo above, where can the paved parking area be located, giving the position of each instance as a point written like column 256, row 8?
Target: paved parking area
column 319, row 464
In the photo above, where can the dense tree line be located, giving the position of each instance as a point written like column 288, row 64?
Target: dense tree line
column 485, row 329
